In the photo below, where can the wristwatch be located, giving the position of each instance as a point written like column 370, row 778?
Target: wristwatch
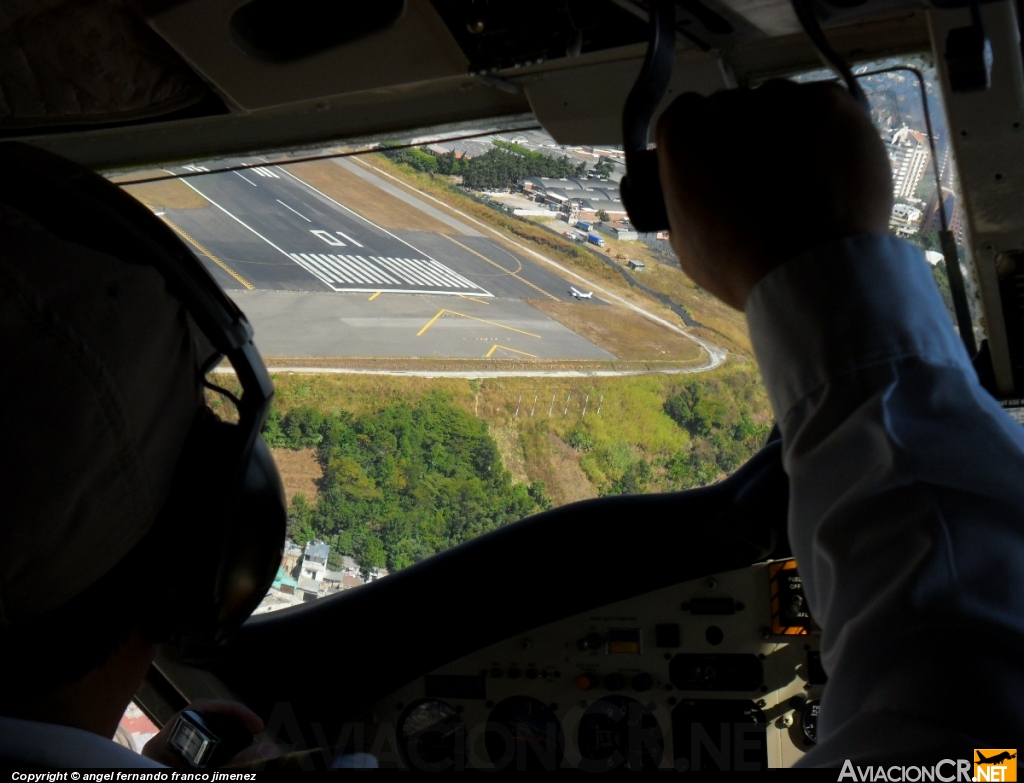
column 210, row 739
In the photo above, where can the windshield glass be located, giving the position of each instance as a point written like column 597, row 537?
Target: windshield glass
column 467, row 331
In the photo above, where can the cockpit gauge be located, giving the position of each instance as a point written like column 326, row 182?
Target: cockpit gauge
column 618, row 732
column 432, row 737
column 809, row 720
column 523, row 734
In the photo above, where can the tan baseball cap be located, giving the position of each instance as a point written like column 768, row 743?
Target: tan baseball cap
column 99, row 384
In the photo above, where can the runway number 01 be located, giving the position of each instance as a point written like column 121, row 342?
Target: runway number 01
column 326, row 237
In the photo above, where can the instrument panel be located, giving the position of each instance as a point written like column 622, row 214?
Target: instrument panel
column 722, row 672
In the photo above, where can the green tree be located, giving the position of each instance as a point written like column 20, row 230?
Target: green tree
column 300, row 520
column 403, row 482
column 581, row 440
column 604, row 168
column 603, row 216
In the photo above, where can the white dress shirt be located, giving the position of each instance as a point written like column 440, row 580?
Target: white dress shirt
column 907, row 506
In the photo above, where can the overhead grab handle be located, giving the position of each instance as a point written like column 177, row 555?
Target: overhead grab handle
column 641, row 187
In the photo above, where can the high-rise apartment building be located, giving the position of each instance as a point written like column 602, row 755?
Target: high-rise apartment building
column 909, row 154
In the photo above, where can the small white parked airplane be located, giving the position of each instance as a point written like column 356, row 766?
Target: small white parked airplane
column 579, row 294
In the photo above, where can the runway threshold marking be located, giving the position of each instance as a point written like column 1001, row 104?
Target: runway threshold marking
column 209, row 255
column 506, row 348
column 474, row 318
column 373, row 297
column 503, row 269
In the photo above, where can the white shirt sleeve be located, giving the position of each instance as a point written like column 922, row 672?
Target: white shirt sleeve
column 907, row 506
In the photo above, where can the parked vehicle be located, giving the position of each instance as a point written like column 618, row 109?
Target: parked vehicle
column 595, row 239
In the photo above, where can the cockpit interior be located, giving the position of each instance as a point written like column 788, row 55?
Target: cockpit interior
column 660, row 631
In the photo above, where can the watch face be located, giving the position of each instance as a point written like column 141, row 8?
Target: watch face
column 191, row 742
column 809, row 720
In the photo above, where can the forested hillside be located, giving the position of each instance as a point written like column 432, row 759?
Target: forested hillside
column 498, row 168
column 402, row 483
column 412, row 466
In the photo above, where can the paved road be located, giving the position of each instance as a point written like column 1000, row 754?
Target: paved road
column 471, row 374
column 285, row 234
column 323, row 324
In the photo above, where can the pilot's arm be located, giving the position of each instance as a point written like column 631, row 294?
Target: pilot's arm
column 907, row 478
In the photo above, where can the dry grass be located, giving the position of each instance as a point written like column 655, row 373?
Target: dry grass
column 299, row 471
column 568, row 476
column 507, row 438
column 368, row 200
column 625, row 333
column 170, row 193
column 727, row 327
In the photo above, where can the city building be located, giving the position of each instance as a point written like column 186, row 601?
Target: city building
column 314, row 561
column 579, row 197
column 906, row 219
column 933, row 221
column 909, row 154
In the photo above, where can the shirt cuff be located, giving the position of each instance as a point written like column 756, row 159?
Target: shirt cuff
column 849, row 304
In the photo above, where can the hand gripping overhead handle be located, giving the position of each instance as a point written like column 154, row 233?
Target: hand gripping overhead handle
column 641, row 187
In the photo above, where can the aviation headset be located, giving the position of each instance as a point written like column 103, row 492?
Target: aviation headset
column 225, row 514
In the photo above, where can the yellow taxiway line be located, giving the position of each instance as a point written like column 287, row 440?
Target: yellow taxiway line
column 374, row 296
column 506, row 348
column 208, row 254
column 430, row 323
column 473, row 318
column 503, row 269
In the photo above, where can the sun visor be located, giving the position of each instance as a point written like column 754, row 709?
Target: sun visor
column 86, row 62
column 583, row 104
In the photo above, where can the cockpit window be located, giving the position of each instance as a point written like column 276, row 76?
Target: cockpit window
column 465, row 331
column 906, row 106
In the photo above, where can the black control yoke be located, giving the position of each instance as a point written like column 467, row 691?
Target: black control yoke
column 641, row 187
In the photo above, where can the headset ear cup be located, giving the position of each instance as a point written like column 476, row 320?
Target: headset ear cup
column 255, row 542
column 186, row 540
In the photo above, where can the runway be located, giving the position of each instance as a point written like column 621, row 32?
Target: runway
column 319, row 324
column 277, row 218
column 318, row 279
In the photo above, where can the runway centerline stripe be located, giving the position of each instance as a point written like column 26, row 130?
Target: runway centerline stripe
column 346, row 236
column 247, row 179
column 293, row 210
